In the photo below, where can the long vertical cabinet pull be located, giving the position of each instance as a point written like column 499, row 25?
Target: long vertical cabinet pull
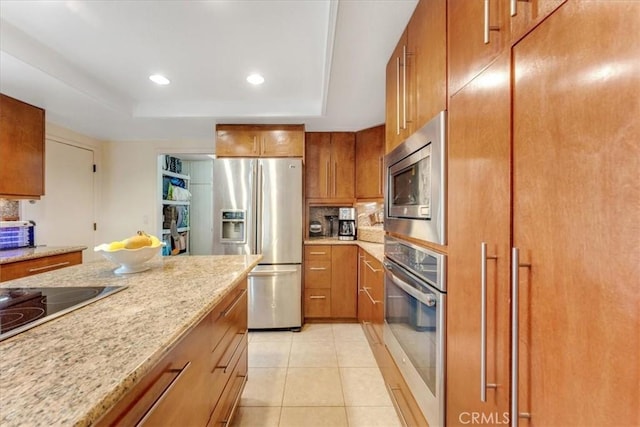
column 380, row 184
column 335, row 176
column 404, row 87
column 483, row 323
column 487, row 17
column 513, row 7
column 326, row 186
column 398, row 95
column 515, row 279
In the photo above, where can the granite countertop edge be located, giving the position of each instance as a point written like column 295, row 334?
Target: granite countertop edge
column 23, row 254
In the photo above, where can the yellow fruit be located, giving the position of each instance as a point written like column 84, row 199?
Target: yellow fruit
column 155, row 241
column 114, row 246
column 138, row 241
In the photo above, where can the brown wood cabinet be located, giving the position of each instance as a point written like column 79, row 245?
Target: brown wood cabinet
column 259, row 140
column 427, row 46
column 330, row 281
column 200, row 380
column 560, row 138
column 416, row 81
column 370, row 294
column 369, row 163
column 475, row 41
column 29, row 267
column 398, row 92
column 21, row 149
column 330, row 166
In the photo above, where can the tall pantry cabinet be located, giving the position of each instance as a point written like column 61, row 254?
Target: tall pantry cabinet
column 543, row 169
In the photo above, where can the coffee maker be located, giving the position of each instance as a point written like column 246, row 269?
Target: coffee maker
column 347, row 224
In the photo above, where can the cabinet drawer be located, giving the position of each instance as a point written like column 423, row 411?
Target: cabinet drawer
column 226, row 406
column 317, row 253
column 16, row 270
column 317, row 274
column 317, row 303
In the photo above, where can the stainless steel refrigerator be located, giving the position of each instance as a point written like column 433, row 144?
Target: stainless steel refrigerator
column 257, row 208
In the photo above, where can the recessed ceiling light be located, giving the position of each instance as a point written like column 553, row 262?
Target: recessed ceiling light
column 159, row 79
column 255, row 79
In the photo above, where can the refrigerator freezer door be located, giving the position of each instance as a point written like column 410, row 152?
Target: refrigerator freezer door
column 233, row 206
column 279, row 237
column 275, row 297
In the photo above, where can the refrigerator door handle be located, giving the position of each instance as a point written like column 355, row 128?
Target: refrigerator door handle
column 272, row 272
column 259, row 207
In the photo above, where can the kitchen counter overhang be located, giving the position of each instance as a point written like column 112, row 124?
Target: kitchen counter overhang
column 71, row 370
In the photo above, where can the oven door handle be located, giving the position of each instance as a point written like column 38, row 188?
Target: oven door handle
column 427, row 299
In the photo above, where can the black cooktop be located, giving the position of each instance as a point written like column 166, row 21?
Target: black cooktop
column 24, row 308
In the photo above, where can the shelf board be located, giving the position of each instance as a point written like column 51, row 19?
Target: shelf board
column 176, row 202
column 175, row 174
column 180, row 230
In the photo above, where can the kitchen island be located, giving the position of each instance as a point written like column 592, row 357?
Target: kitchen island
column 73, row 369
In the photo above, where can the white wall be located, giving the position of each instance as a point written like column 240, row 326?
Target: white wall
column 130, row 182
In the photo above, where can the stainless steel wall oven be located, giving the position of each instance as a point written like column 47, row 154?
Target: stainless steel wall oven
column 415, row 184
column 414, row 329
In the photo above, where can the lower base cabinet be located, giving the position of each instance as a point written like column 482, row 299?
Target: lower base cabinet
column 18, row 269
column 200, row 380
column 370, row 294
column 330, row 282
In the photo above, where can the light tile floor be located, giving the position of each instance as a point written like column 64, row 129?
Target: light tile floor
column 323, row 376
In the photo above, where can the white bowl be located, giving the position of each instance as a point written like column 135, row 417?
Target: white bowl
column 130, row 260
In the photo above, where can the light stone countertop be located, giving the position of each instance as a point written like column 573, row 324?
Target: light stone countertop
column 375, row 249
column 71, row 370
column 22, row 254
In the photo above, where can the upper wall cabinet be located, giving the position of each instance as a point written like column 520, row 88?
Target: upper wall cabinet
column 259, row 141
column 21, row 149
column 479, row 30
column 416, row 84
column 397, row 110
column 427, row 42
column 369, row 159
column 330, row 165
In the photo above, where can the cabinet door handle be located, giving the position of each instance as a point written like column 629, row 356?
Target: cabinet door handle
column 180, row 373
column 317, row 253
column 48, row 267
column 317, row 297
column 366, row 291
column 487, row 26
column 225, row 360
column 368, row 264
column 398, row 95
column 483, row 322
column 515, row 278
column 381, row 172
column 317, row 268
column 335, row 175
column 328, row 177
column 404, row 87
column 255, row 144
column 233, row 305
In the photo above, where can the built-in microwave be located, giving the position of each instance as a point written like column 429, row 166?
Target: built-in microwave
column 415, row 184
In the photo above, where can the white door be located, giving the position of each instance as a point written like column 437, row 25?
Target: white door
column 64, row 216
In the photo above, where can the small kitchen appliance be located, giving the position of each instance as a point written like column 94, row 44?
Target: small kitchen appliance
column 416, row 182
column 16, row 234
column 347, row 224
column 315, row 229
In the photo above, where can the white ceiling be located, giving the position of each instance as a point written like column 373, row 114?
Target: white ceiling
column 87, row 63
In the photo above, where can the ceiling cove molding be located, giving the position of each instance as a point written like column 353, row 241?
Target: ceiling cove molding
column 31, row 52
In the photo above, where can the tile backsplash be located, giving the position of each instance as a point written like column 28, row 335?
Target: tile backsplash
column 324, row 214
column 9, row 210
column 370, row 213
